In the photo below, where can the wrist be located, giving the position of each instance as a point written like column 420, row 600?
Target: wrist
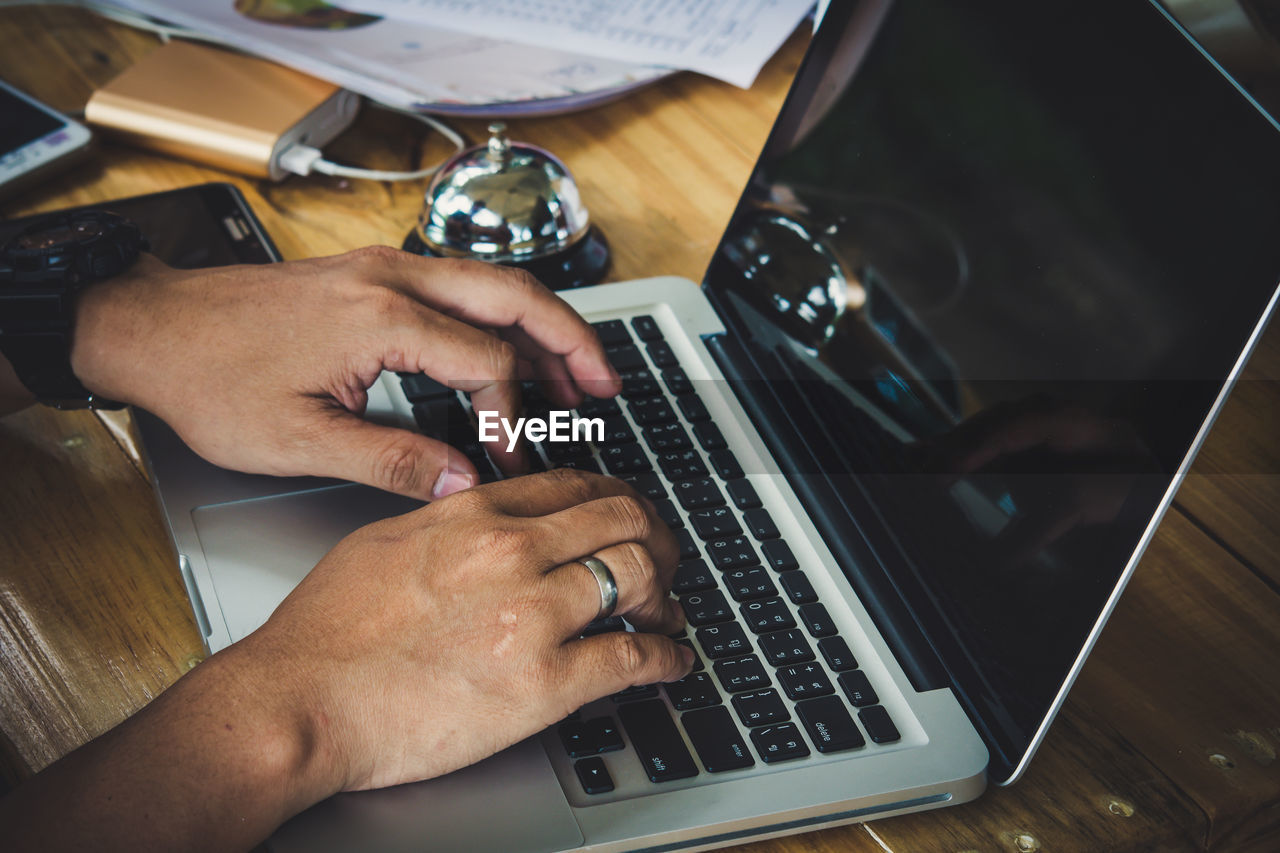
column 292, row 742
column 108, row 354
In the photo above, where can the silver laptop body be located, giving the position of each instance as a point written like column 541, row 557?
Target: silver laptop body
column 244, row 542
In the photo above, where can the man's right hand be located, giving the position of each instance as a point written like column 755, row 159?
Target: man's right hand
column 426, row 642
column 419, row 645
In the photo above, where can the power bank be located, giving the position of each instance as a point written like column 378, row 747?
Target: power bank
column 224, row 109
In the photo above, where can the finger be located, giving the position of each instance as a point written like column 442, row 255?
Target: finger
column 595, row 525
column 641, row 599
column 390, row 459
column 467, row 359
column 597, row 666
column 550, row 492
column 506, row 297
column 549, row 369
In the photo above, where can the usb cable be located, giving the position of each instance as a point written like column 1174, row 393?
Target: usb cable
column 305, row 159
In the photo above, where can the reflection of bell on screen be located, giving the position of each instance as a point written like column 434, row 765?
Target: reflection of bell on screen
column 34, row 140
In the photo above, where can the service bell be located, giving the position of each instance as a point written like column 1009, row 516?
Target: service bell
column 515, row 204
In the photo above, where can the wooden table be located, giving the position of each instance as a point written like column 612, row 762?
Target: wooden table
column 1168, row 741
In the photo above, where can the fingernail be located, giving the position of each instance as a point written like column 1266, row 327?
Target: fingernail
column 687, row 654
column 451, row 481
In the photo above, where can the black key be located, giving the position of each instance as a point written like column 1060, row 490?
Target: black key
column 627, row 357
column 670, row 515
column 434, row 415
column 661, row 355
column 595, row 777
column 698, row 665
column 604, row 626
column 677, row 381
column 726, row 465
column 590, row 737
column 581, row 465
column 648, row 484
column 856, row 686
column 651, row 410
column 785, row 647
column 637, row 691
column 746, row 584
column 835, row 651
column 657, row 741
column 878, row 725
column 706, row 608
column 664, row 438
column 709, row 436
column 797, row 586
column 419, row 386
column 716, row 740
column 716, row 523
column 612, row 332
column 760, row 523
column 595, row 407
column 732, row 553
column 693, row 691
column 739, row 674
column 805, row 681
column 778, row 743
column 617, row 431
column 691, row 576
column 639, row 382
column 816, row 620
column 743, row 493
column 693, row 409
column 722, row 641
column 688, row 547
column 682, row 465
column 559, row 451
column 696, row 494
column 829, row 725
column 778, row 554
column 769, row 615
column 625, row 459
column 646, row 328
column 760, row 708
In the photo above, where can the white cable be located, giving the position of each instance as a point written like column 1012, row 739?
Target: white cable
column 303, row 159
column 298, row 159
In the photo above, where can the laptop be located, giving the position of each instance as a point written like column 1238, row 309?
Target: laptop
column 993, row 276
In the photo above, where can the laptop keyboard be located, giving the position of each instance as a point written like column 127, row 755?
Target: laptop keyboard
column 772, row 678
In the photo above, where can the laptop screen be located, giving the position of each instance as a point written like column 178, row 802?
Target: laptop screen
column 997, row 261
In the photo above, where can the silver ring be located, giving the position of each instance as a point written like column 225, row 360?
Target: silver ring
column 608, row 586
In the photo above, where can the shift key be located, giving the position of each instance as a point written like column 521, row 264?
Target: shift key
column 657, row 741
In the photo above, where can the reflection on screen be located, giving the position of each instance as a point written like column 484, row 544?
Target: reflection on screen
column 999, row 275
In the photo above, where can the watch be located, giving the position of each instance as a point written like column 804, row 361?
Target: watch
column 42, row 269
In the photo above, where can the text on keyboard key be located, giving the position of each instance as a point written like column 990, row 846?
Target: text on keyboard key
column 829, row 724
column 698, row 494
column 695, row 690
column 786, row 647
column 722, row 641
column 760, row 708
column 857, row 687
column 706, row 608
column 779, row 743
column 657, row 742
column 716, row 740
column 594, row 776
column 835, row 651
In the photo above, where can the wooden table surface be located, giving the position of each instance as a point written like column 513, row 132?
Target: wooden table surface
column 1168, row 741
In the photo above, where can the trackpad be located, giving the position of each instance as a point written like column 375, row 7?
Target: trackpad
column 259, row 550
column 511, row 802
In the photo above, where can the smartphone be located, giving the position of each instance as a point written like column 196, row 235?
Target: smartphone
column 35, row 140
column 206, row 225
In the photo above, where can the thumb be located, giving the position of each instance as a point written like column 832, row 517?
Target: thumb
column 394, row 460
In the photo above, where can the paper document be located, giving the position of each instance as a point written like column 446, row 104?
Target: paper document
column 405, row 64
column 728, row 39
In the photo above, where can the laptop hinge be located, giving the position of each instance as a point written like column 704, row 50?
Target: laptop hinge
column 888, row 611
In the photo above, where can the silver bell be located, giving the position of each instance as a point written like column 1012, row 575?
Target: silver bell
column 511, row 203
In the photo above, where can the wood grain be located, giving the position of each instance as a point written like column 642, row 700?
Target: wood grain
column 1166, row 744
